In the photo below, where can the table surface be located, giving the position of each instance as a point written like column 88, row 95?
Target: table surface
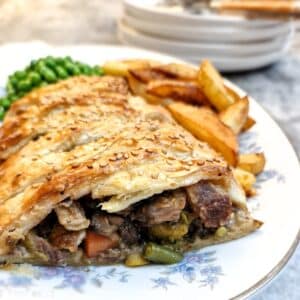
column 277, row 88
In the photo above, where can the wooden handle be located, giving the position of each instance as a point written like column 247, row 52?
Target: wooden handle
column 286, row 7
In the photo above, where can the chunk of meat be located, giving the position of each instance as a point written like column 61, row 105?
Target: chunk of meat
column 129, row 233
column 106, row 224
column 209, row 203
column 41, row 248
column 71, row 215
column 163, row 208
column 66, row 240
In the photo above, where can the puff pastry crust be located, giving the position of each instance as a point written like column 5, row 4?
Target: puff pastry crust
column 90, row 136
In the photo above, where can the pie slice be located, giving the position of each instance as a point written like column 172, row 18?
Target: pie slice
column 93, row 175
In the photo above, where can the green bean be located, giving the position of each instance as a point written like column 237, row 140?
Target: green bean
column 160, row 254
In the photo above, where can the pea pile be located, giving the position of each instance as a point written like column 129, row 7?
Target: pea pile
column 40, row 73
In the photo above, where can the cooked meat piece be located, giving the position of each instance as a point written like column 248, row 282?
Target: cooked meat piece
column 129, row 233
column 162, row 208
column 66, row 240
column 106, row 224
column 42, row 249
column 209, row 203
column 71, row 216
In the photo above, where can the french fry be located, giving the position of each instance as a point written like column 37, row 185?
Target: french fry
column 121, row 67
column 212, row 84
column 233, row 93
column 203, row 123
column 146, row 75
column 177, row 90
column 178, row 71
column 246, row 180
column 235, row 116
column 139, row 89
column 253, row 162
column 249, row 124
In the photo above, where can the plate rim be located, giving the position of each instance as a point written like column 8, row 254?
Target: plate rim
column 296, row 241
column 134, row 5
column 125, row 28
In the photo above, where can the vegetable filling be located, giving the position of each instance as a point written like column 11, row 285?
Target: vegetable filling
column 155, row 230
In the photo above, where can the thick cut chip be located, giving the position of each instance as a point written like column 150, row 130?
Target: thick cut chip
column 235, row 116
column 253, row 162
column 205, row 125
column 213, row 87
column 246, row 180
column 177, row 90
column 121, row 67
column 178, row 71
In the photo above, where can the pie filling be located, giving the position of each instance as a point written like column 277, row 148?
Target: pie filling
column 81, row 233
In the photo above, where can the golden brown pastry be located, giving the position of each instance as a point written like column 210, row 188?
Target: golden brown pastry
column 90, row 174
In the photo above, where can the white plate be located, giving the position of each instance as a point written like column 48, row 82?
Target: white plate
column 154, row 11
column 231, row 270
column 208, row 33
column 227, row 58
column 201, row 48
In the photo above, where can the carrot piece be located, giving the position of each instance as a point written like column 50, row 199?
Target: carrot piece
column 97, row 243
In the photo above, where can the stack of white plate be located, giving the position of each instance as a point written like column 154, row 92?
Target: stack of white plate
column 233, row 43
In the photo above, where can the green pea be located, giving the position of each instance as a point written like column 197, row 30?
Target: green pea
column 2, row 113
column 97, row 71
column 13, row 98
column 5, row 103
column 61, row 72
column 10, row 88
column 59, row 61
column 24, row 85
column 13, row 80
column 35, row 78
column 33, row 64
column 20, row 74
column 87, row 70
column 48, row 75
column 50, row 62
column 43, row 83
column 72, row 69
column 40, row 65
